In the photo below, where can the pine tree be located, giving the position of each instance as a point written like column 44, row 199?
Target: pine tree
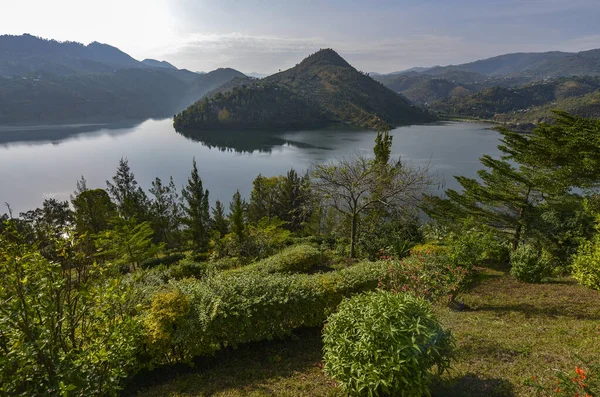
column 220, row 223
column 165, row 211
column 130, row 199
column 236, row 216
column 196, row 211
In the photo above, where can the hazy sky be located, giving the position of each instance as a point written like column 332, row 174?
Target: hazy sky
column 264, row 36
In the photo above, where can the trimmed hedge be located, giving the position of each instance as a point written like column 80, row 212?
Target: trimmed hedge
column 253, row 306
column 294, row 259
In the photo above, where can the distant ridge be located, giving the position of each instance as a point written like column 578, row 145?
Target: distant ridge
column 158, row 64
column 322, row 89
column 51, row 82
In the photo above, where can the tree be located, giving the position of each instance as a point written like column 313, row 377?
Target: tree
column 165, row 211
column 47, row 224
column 236, row 216
column 220, row 222
column 93, row 211
column 503, row 199
column 130, row 199
column 264, row 198
column 127, row 243
column 349, row 184
column 196, row 210
column 295, row 200
column 566, row 153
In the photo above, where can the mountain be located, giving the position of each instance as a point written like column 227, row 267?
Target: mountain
column 322, row 89
column 425, row 85
column 153, row 63
column 531, row 102
column 27, row 55
column 46, row 81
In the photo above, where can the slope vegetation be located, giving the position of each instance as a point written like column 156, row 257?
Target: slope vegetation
column 324, row 88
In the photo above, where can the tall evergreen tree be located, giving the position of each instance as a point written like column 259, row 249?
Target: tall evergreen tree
column 263, row 198
column 236, row 216
column 196, row 210
column 165, row 211
column 131, row 200
column 220, row 222
column 295, row 200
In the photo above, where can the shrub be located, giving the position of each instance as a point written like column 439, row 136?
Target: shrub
column 60, row 335
column 186, row 268
column 473, row 245
column 528, row 264
column 429, row 249
column 295, row 259
column 381, row 343
column 429, row 276
column 586, row 264
column 165, row 260
column 253, row 306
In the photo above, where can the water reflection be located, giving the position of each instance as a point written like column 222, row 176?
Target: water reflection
column 56, row 134
column 244, row 141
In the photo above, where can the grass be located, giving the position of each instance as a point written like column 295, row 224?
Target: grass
column 509, row 332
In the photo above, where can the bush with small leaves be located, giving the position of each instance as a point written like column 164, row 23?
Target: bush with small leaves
column 528, row 264
column 586, row 263
column 381, row 343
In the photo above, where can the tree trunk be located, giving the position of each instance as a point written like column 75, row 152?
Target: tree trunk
column 519, row 227
column 353, row 236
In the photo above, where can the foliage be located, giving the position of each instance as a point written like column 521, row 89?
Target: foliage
column 127, row 243
column 586, row 263
column 381, row 343
column 165, row 213
column 431, row 276
column 62, row 334
column 528, row 264
column 131, row 200
column 294, row 259
column 253, row 306
column 259, row 240
column 93, row 211
column 196, row 210
column 165, row 260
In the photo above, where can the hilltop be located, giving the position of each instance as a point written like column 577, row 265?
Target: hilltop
column 322, row 89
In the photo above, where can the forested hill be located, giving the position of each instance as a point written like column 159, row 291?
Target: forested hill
column 425, row 85
column 50, row 82
column 528, row 103
column 324, row 87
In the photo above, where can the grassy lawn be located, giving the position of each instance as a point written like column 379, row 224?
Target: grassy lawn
column 509, row 332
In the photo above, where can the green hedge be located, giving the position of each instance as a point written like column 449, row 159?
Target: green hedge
column 294, row 259
column 220, row 311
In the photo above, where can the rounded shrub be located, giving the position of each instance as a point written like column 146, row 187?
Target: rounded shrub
column 381, row 343
column 528, row 264
column 586, row 264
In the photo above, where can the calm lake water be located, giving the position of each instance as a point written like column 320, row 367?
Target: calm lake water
column 47, row 162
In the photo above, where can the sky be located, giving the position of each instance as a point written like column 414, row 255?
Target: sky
column 264, row 36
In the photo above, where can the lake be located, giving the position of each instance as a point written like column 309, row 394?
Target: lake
column 36, row 163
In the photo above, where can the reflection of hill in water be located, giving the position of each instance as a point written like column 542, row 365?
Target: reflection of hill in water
column 243, row 141
column 36, row 135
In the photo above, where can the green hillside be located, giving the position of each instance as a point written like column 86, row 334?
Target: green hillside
column 529, row 102
column 322, row 89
